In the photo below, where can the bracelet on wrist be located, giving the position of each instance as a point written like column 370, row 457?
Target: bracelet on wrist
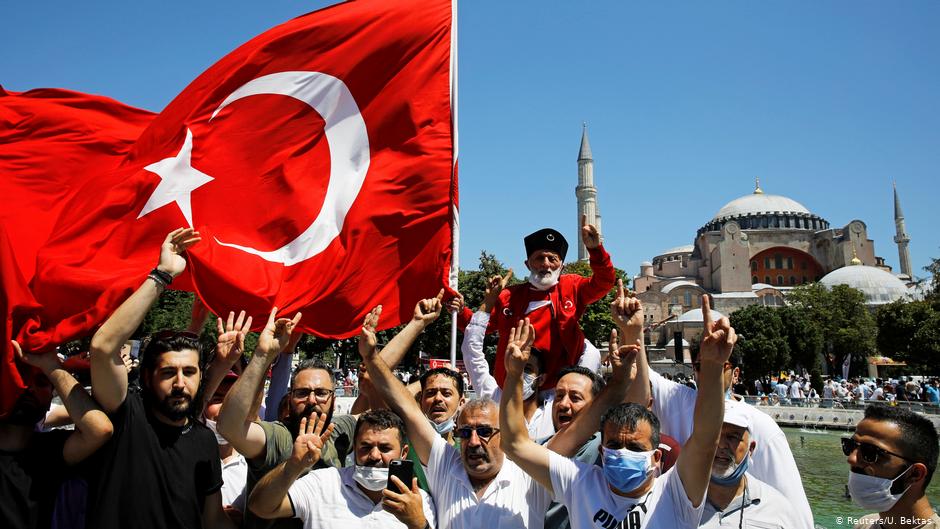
column 160, row 277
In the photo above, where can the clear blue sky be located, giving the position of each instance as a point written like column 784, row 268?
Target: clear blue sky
column 686, row 103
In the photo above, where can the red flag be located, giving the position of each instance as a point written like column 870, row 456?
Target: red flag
column 316, row 160
column 16, row 304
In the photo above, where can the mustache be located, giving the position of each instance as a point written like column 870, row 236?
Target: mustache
column 478, row 451
column 178, row 392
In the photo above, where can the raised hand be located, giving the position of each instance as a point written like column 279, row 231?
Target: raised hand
column 406, row 505
column 171, row 252
column 367, row 339
column 231, row 341
column 310, row 440
column 718, row 338
column 276, row 333
column 47, row 362
column 455, row 304
column 627, row 311
column 589, row 234
column 428, row 310
column 494, row 286
column 622, row 358
column 519, row 347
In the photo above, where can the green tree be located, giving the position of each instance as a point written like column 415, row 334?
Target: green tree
column 910, row 332
column 762, row 343
column 596, row 322
column 846, row 324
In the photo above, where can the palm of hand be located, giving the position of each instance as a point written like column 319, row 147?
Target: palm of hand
column 227, row 345
column 307, row 448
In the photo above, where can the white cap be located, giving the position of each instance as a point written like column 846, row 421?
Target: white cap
column 737, row 414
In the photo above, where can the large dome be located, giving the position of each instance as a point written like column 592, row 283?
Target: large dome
column 880, row 287
column 759, row 203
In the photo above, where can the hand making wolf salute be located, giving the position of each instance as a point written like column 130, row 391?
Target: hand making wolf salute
column 628, row 486
column 553, row 302
column 474, row 485
column 161, row 467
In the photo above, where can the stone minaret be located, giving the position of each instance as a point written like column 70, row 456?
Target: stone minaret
column 586, row 192
column 901, row 238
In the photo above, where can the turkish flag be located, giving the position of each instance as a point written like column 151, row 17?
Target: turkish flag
column 16, row 305
column 317, row 160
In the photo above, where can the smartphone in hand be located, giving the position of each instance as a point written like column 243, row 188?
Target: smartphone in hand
column 403, row 469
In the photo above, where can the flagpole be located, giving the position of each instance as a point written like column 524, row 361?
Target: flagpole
column 455, row 223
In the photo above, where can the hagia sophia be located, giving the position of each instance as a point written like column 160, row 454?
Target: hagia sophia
column 753, row 251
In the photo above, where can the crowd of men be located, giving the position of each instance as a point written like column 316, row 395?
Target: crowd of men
column 201, row 441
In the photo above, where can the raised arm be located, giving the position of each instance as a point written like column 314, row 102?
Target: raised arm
column 229, row 347
column 602, row 269
column 92, row 426
column 235, row 421
column 569, row 439
column 532, row 457
column 269, row 497
column 627, row 313
column 280, row 378
column 403, row 403
column 695, row 460
column 108, row 374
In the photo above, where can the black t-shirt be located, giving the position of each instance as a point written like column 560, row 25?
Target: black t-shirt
column 30, row 481
column 150, row 474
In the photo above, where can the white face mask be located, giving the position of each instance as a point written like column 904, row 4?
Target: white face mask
column 219, row 439
column 874, row 493
column 371, row 478
column 546, row 281
column 528, row 385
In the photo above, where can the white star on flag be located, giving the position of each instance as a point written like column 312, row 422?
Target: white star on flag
column 178, row 179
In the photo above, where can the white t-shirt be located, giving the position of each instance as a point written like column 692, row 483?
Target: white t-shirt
column 772, row 461
column 795, row 390
column 330, row 497
column 540, row 425
column 234, row 478
column 513, row 500
column 583, row 489
column 764, row 508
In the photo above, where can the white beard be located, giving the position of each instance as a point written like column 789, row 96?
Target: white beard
column 727, row 471
column 544, row 280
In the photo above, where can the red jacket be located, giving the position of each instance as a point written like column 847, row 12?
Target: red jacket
column 570, row 297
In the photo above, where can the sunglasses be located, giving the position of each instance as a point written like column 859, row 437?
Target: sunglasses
column 485, row 433
column 868, row 452
column 321, row 394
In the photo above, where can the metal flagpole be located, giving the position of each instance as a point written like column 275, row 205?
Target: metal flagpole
column 455, row 223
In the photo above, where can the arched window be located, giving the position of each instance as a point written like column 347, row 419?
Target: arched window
column 754, row 265
column 780, row 280
column 754, row 280
column 767, row 263
column 778, row 260
column 767, row 279
column 792, row 280
column 789, row 263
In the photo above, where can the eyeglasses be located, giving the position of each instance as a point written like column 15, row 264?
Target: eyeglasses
column 321, row 394
column 485, row 433
column 868, row 452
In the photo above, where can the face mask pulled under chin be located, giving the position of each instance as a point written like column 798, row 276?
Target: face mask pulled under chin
column 873, row 493
column 443, row 428
column 371, row 478
column 540, row 282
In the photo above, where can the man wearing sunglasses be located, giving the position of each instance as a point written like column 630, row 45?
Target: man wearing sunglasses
column 474, row 486
column 892, row 456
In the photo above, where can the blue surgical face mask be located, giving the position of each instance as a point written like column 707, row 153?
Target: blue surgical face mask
column 735, row 476
column 444, row 427
column 627, row 470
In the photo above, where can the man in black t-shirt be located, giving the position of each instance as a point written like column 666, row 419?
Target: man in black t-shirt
column 34, row 464
column 161, row 469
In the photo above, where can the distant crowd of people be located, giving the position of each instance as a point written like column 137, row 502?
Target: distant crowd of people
column 184, row 437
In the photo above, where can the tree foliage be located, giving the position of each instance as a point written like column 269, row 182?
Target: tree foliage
column 910, row 332
column 844, row 321
column 762, row 342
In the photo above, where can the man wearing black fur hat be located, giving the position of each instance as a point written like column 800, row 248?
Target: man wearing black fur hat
column 553, row 302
